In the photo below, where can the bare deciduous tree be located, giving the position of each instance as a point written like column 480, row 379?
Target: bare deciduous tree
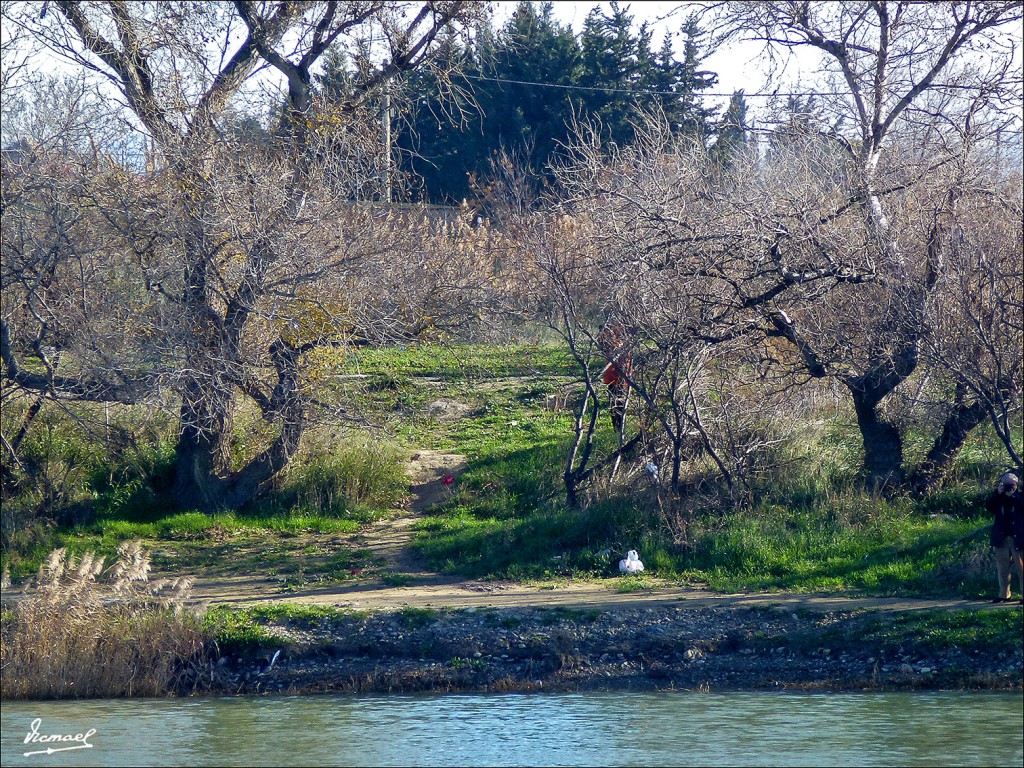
column 975, row 345
column 238, row 263
column 913, row 86
column 662, row 247
column 832, row 242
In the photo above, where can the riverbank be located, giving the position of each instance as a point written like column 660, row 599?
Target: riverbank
column 440, row 635
column 645, row 648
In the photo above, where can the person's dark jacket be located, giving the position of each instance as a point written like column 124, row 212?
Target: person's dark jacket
column 1008, row 514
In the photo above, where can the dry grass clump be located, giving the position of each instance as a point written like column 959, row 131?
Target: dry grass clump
column 82, row 632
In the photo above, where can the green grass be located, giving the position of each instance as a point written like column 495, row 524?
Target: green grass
column 460, row 362
column 397, row 579
column 807, row 527
column 237, row 631
column 241, row 630
column 400, row 381
column 855, row 544
column 903, row 633
column 504, row 517
column 984, row 631
column 326, row 493
column 225, row 544
column 634, row 583
column 355, row 482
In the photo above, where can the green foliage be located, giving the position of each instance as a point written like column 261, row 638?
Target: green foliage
column 306, row 616
column 77, row 479
column 983, row 631
column 244, row 630
column 544, row 542
column 468, row 150
column 88, row 492
column 131, row 488
column 732, row 132
column 236, row 631
column 417, row 617
column 856, row 543
column 806, row 526
column 393, row 365
column 229, row 542
column 903, row 633
column 633, row 583
column 57, row 458
column 391, row 579
column 457, row 662
column 292, row 524
column 621, row 60
column 357, row 482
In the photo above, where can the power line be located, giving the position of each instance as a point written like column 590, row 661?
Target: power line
column 606, row 89
column 639, row 93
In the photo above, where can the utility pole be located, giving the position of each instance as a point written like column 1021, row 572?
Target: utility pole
column 386, row 118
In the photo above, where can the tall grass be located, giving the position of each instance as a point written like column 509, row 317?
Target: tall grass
column 352, row 480
column 84, row 632
column 855, row 543
column 76, row 471
column 327, row 490
column 806, row 525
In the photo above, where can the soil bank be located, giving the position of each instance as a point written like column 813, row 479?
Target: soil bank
column 624, row 647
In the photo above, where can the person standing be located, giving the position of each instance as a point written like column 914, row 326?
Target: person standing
column 1006, row 505
column 614, row 343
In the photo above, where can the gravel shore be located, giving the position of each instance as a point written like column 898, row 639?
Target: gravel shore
column 565, row 649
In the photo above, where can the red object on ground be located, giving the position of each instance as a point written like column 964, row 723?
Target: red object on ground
column 448, row 479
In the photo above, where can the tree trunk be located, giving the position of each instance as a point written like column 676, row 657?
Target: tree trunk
column 203, row 455
column 963, row 418
column 196, row 485
column 202, row 448
column 203, row 479
column 883, row 446
column 287, row 410
column 579, row 452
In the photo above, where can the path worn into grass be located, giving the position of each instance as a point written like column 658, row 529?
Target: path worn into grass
column 389, row 540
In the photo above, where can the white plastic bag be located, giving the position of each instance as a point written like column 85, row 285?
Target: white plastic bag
column 632, row 563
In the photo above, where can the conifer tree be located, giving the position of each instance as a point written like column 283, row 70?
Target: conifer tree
column 732, row 132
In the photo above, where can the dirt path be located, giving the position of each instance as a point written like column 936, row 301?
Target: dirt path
column 389, row 541
column 442, row 592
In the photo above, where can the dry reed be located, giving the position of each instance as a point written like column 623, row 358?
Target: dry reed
column 82, row 632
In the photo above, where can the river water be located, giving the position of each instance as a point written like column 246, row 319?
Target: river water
column 591, row 729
